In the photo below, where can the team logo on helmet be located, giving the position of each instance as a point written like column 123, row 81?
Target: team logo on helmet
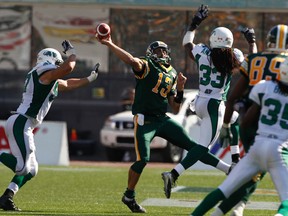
column 278, row 38
column 155, row 45
column 49, row 55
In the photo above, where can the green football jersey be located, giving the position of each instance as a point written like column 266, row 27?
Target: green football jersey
column 153, row 86
column 260, row 66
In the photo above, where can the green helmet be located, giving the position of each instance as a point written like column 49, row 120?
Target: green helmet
column 158, row 44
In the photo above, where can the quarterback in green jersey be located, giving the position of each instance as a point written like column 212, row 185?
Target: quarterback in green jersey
column 157, row 85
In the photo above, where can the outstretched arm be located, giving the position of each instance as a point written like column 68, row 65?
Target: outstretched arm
column 188, row 38
column 249, row 35
column 74, row 83
column 136, row 63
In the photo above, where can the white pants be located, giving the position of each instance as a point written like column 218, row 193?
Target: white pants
column 19, row 131
column 265, row 154
column 211, row 112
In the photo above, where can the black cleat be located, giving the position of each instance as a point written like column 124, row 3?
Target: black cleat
column 7, row 204
column 169, row 183
column 133, row 205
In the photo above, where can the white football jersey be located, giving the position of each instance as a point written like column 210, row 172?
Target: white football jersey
column 273, row 120
column 211, row 83
column 37, row 98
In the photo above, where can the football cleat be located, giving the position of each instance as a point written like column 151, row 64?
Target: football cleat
column 133, row 205
column 7, row 204
column 169, row 182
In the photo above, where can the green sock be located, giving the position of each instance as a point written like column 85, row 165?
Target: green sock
column 283, row 208
column 129, row 193
column 21, row 180
column 8, row 160
column 208, row 203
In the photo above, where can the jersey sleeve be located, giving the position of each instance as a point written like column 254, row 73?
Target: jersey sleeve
column 143, row 73
column 257, row 92
column 198, row 49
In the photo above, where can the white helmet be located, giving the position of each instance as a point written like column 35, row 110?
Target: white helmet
column 221, row 37
column 284, row 71
column 49, row 55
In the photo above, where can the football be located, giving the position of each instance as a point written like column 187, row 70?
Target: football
column 102, row 30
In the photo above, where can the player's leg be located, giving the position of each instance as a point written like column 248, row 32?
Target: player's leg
column 278, row 169
column 143, row 133
column 234, row 145
column 175, row 134
column 233, row 181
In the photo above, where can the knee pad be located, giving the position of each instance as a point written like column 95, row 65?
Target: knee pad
column 138, row 166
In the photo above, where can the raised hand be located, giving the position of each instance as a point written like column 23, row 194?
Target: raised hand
column 249, row 34
column 200, row 15
column 67, row 46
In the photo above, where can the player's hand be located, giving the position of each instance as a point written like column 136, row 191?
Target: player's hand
column 94, row 73
column 249, row 34
column 181, row 80
column 225, row 136
column 200, row 15
column 68, row 47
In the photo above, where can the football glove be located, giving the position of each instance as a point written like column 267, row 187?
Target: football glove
column 94, row 73
column 200, row 15
column 225, row 136
column 249, row 34
column 68, row 47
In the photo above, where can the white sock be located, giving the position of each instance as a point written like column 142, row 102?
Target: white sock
column 223, row 166
column 14, row 187
column 235, row 149
column 179, row 168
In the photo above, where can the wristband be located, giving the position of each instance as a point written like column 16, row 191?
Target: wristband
column 93, row 76
column 71, row 51
column 188, row 37
column 225, row 125
column 179, row 97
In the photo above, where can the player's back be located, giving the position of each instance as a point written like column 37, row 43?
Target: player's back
column 262, row 66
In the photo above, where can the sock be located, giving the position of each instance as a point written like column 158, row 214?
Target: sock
column 129, row 193
column 283, row 208
column 178, row 170
column 208, row 203
column 223, row 166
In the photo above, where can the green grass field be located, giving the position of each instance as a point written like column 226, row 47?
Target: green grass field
column 97, row 190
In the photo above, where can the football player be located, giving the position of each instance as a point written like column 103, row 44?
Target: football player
column 269, row 151
column 215, row 65
column 40, row 89
column 256, row 67
column 157, row 85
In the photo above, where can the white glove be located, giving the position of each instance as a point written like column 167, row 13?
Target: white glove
column 225, row 136
column 94, row 73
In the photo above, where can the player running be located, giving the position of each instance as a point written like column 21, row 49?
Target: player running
column 256, row 67
column 269, row 151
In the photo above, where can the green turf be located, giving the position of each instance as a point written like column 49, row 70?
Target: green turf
column 93, row 191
